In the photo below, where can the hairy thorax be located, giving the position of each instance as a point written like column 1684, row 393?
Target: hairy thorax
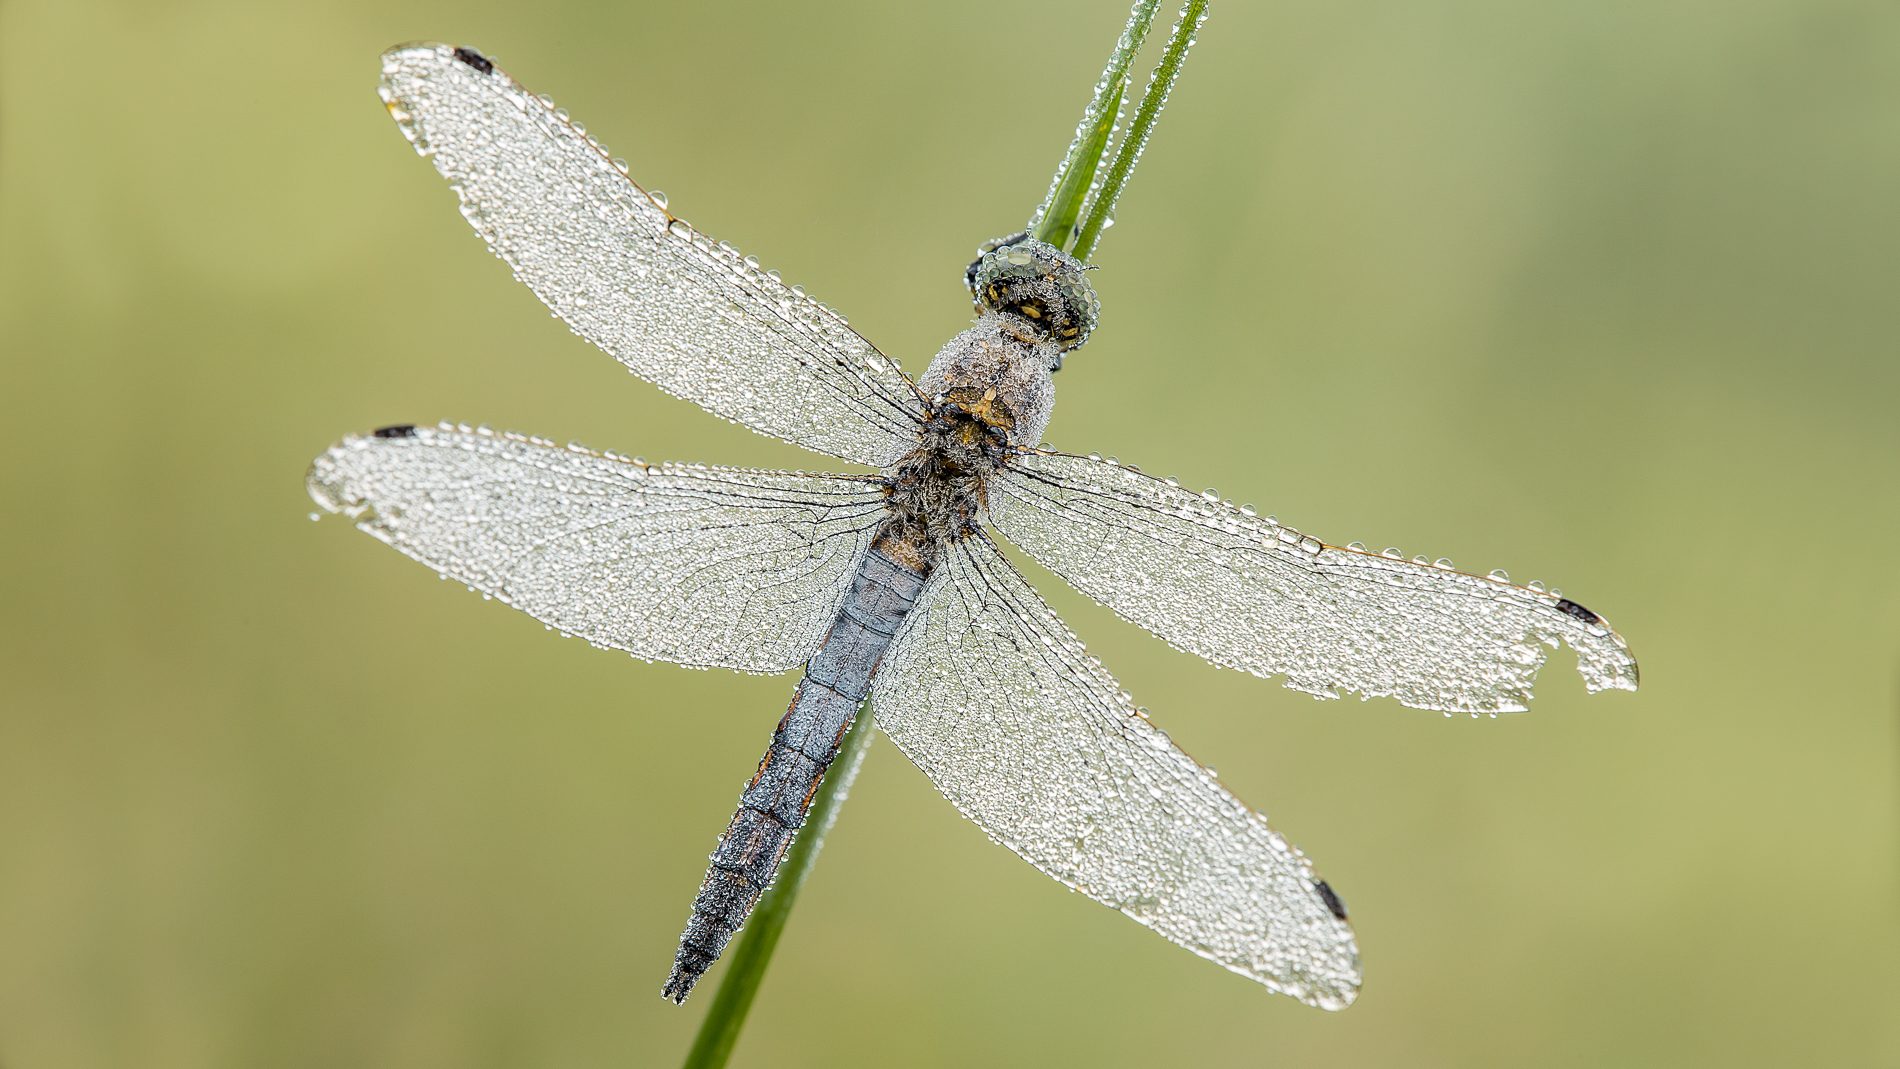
column 990, row 393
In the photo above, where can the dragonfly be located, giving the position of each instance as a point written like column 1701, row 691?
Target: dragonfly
column 890, row 589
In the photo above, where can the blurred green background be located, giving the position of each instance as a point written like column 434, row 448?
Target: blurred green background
column 1604, row 294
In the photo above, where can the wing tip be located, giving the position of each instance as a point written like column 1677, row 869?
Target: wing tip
column 1334, row 1003
column 439, row 55
column 407, row 49
column 1331, row 994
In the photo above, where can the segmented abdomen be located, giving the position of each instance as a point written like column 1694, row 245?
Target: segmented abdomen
column 773, row 807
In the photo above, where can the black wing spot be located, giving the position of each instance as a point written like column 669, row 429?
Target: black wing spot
column 1571, row 608
column 474, row 59
column 1331, row 899
column 400, row 430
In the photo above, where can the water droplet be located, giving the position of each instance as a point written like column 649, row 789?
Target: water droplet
column 559, row 113
column 621, row 166
column 1172, row 481
column 544, row 98
column 1357, row 546
column 1421, row 559
column 1095, row 456
column 1500, row 575
column 1442, row 562
column 1273, row 521
column 659, row 197
column 579, row 128
column 1536, row 584
column 1393, row 552
column 1247, row 510
column 1210, row 494
column 1556, row 592
column 752, row 262
column 315, row 516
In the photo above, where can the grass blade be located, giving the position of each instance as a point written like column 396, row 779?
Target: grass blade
column 1054, row 221
column 1101, row 212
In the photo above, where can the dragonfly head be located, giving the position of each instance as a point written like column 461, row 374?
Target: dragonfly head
column 1037, row 284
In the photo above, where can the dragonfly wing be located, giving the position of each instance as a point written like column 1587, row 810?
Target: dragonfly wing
column 1249, row 594
column 680, row 310
column 683, row 563
column 997, row 702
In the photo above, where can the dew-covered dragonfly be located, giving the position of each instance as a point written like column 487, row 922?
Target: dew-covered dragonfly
column 890, row 587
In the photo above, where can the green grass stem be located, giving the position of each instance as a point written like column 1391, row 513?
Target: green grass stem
column 1058, row 223
column 1101, row 212
column 1054, row 221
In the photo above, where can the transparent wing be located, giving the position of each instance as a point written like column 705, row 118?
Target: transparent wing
column 684, row 563
column 1249, row 594
column 681, row 311
column 999, row 704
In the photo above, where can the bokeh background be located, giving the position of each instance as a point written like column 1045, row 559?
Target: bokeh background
column 1604, row 294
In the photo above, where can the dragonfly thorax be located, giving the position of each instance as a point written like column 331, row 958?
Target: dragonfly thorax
column 935, row 495
column 990, row 393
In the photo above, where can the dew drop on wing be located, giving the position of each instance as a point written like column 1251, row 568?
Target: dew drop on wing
column 1331, row 898
column 398, row 430
column 474, row 59
column 1571, row 608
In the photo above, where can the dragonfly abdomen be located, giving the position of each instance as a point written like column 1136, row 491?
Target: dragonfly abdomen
column 774, row 804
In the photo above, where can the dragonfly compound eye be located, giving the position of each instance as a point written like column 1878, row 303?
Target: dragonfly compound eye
column 1040, row 285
